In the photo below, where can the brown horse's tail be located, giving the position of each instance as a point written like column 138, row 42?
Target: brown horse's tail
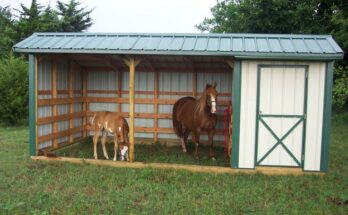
column 176, row 124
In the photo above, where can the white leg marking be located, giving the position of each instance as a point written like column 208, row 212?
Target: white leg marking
column 124, row 152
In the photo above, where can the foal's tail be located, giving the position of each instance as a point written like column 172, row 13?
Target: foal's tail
column 176, row 124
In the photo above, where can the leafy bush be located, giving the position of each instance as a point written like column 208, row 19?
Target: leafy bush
column 13, row 90
column 340, row 88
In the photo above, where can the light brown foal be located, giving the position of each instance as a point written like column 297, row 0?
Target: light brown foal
column 110, row 122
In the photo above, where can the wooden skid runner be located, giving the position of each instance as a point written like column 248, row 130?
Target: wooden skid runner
column 192, row 168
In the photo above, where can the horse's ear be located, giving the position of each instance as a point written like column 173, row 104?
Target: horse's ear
column 207, row 86
column 215, row 84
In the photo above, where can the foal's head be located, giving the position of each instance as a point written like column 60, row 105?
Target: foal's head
column 211, row 97
column 122, row 136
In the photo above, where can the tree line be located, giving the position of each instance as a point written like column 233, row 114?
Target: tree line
column 17, row 24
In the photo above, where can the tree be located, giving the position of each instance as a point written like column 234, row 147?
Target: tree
column 7, row 32
column 73, row 17
column 29, row 20
column 49, row 21
column 13, row 90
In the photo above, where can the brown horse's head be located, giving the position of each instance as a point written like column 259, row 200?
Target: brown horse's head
column 211, row 97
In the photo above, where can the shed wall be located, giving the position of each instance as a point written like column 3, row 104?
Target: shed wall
column 46, row 118
column 315, row 103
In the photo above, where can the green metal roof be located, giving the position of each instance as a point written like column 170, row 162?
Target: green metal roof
column 261, row 46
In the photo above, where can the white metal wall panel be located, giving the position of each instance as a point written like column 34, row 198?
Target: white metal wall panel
column 44, row 83
column 77, row 78
column 62, row 75
column 44, row 75
column 248, row 114
column 174, row 82
column 315, row 108
column 102, row 81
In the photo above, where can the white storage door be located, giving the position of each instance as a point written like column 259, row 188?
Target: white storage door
column 280, row 115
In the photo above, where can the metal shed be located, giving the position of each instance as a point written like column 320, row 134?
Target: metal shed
column 280, row 87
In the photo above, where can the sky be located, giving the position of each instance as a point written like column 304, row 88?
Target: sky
column 135, row 16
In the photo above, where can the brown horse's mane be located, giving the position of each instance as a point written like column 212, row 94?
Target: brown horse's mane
column 201, row 103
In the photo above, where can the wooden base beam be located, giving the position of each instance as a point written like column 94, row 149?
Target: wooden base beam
column 191, row 168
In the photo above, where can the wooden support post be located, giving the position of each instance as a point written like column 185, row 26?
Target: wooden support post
column 84, row 96
column 119, row 84
column 54, row 96
column 230, row 63
column 156, row 105
column 132, row 63
column 71, row 96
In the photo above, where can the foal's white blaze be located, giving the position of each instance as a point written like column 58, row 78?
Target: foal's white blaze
column 119, row 128
column 213, row 105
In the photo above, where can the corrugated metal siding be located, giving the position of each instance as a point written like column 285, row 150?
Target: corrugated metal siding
column 44, row 83
column 315, row 105
column 198, row 44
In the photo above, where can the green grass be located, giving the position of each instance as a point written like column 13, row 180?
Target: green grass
column 34, row 187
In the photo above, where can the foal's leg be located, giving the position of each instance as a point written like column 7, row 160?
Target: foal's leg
column 103, row 143
column 95, row 142
column 211, row 141
column 115, row 147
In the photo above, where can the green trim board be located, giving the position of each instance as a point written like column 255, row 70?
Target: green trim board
column 305, row 119
column 32, row 105
column 326, row 131
column 237, row 55
column 236, row 102
column 259, row 118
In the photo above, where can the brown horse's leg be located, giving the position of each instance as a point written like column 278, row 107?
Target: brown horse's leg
column 195, row 138
column 103, row 144
column 184, row 140
column 211, row 141
column 95, row 142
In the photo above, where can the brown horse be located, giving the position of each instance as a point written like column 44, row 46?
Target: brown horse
column 104, row 122
column 192, row 115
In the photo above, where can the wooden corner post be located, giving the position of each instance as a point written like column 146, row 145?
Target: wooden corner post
column 132, row 62
column 54, row 94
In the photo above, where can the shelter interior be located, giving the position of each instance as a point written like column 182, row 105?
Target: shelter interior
column 70, row 87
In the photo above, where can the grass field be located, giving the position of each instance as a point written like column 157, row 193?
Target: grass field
column 34, row 187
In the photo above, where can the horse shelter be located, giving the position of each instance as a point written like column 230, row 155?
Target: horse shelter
column 279, row 86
